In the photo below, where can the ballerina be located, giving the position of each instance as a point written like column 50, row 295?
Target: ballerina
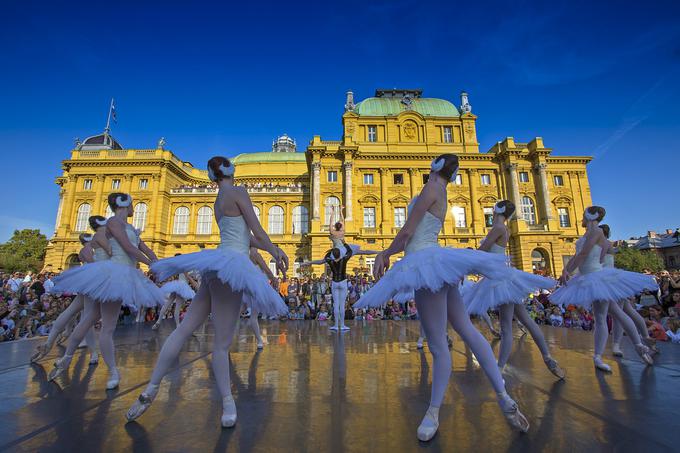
column 434, row 273
column 253, row 322
column 177, row 292
column 108, row 284
column 600, row 289
column 509, row 293
column 465, row 286
column 95, row 248
column 336, row 259
column 336, row 232
column 228, row 278
column 626, row 306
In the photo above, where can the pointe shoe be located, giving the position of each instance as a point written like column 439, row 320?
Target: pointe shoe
column 555, row 368
column 155, row 326
column 513, row 416
column 522, row 329
column 344, row 327
column 40, row 352
column 228, row 419
column 114, row 380
column 94, row 358
column 419, row 343
column 645, row 354
column 429, row 426
column 616, row 350
column 141, row 405
column 260, row 345
column 83, row 344
column 651, row 344
column 60, row 367
column 600, row 365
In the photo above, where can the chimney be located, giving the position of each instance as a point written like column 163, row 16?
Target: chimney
column 349, row 103
column 651, row 234
column 465, row 106
column 669, row 231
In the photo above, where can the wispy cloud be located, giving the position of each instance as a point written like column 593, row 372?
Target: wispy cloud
column 9, row 223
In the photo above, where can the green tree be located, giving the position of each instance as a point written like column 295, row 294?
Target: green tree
column 632, row 259
column 24, row 251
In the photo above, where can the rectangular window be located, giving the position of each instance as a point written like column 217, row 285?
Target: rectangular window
column 369, row 217
column 448, row 136
column 115, row 184
column 143, row 184
column 488, row 216
column 563, row 213
column 372, row 133
column 398, row 179
column 559, row 180
column 368, row 179
column 87, row 185
column 426, row 178
column 523, row 176
column 399, row 217
column 459, row 216
column 459, row 180
column 332, row 176
column 486, row 180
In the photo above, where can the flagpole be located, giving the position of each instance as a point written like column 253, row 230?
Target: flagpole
column 108, row 119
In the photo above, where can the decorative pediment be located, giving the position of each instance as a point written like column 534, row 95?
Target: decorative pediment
column 459, row 199
column 399, row 199
column 488, row 198
column 369, row 198
column 562, row 199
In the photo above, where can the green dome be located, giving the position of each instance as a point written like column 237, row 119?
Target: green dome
column 388, row 106
column 254, row 158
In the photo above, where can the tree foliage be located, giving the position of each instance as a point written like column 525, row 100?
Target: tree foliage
column 632, row 259
column 24, row 251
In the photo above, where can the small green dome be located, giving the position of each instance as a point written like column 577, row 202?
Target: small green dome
column 254, row 158
column 392, row 106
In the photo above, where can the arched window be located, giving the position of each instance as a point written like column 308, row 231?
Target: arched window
column 300, row 220
column 139, row 216
column 332, row 202
column 539, row 262
column 109, row 211
column 459, row 216
column 528, row 210
column 83, row 215
column 257, row 212
column 181, row 221
column 276, row 220
column 204, row 222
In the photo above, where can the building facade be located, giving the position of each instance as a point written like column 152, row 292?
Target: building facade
column 381, row 161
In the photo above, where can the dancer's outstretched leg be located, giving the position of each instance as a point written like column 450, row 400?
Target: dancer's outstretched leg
column 601, row 332
column 58, row 327
column 90, row 337
column 110, row 312
column 225, row 309
column 460, row 321
column 640, row 325
column 195, row 316
column 169, row 300
column 487, row 320
column 536, row 333
column 617, row 335
column 629, row 326
column 179, row 301
column 506, row 312
column 255, row 326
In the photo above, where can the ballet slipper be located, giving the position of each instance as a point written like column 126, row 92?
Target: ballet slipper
column 40, row 352
column 616, row 350
column 555, row 368
column 344, row 327
column 60, row 367
column 333, row 327
column 228, row 419
column 449, row 341
column 260, row 345
column 430, row 424
column 522, row 328
column 651, row 344
column 94, row 358
column 142, row 404
column 156, row 325
column 419, row 343
column 600, row 365
column 495, row 333
column 114, row 380
column 512, row 414
column 645, row 354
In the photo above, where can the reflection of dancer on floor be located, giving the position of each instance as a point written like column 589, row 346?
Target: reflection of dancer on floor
column 509, row 293
column 626, row 306
column 108, row 284
column 337, row 259
column 253, row 322
column 599, row 289
column 177, row 292
column 95, row 248
column 228, row 278
column 434, row 273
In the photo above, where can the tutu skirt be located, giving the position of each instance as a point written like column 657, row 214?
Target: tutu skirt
column 232, row 268
column 110, row 281
column 432, row 268
column 514, row 288
column 182, row 289
column 608, row 284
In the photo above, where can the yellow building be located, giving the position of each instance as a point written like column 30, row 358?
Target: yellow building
column 381, row 161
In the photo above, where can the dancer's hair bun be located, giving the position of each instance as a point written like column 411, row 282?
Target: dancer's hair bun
column 506, row 208
column 96, row 221
column 596, row 213
column 219, row 168
column 606, row 230
column 446, row 165
column 84, row 238
column 119, row 200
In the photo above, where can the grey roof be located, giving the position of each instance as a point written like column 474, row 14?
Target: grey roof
column 661, row 241
column 100, row 141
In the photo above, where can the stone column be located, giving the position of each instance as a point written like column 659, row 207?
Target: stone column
column 348, row 190
column 540, row 169
column 316, row 189
column 67, row 213
column 59, row 209
column 473, row 175
column 412, row 181
column 514, row 185
column 384, row 173
column 100, row 180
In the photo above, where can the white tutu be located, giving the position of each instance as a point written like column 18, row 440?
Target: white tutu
column 231, row 267
column 110, row 281
column 607, row 284
column 404, row 297
column 514, row 288
column 432, row 268
column 182, row 289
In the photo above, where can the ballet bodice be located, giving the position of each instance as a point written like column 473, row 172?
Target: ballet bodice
column 608, row 260
column 117, row 253
column 425, row 235
column 234, row 234
column 182, row 278
column 592, row 261
column 100, row 254
column 337, row 243
column 495, row 248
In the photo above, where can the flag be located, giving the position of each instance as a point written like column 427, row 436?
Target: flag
column 113, row 112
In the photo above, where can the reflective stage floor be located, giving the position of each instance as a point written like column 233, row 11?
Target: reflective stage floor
column 311, row 390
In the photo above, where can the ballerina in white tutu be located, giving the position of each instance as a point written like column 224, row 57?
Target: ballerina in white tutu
column 177, row 291
column 95, row 248
column 599, row 289
column 509, row 293
column 465, row 286
column 253, row 322
column 228, row 278
column 108, row 284
column 626, row 306
column 434, row 273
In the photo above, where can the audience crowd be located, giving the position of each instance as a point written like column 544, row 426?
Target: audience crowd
column 29, row 306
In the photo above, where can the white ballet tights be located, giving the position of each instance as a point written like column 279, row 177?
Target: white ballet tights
column 507, row 312
column 626, row 322
column 617, row 330
column 339, row 291
column 487, row 320
column 434, row 310
column 213, row 297
column 601, row 330
column 62, row 321
column 171, row 299
column 255, row 325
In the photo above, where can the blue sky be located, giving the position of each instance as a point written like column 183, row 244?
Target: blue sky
column 601, row 80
